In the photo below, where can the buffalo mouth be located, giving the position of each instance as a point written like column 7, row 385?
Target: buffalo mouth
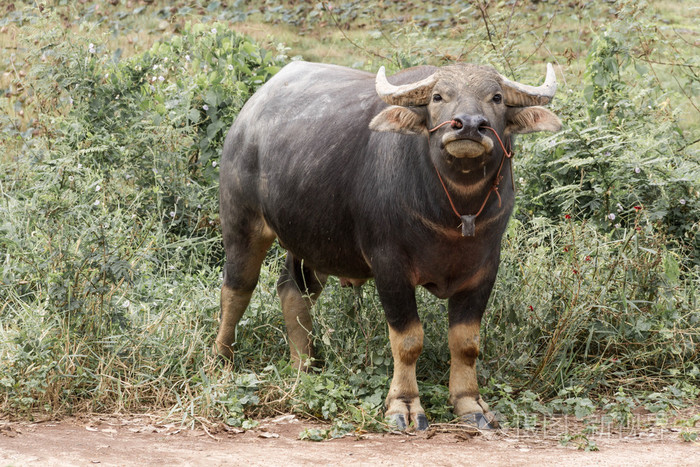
column 461, row 147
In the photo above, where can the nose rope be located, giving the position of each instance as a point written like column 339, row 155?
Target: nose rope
column 454, row 122
column 506, row 153
column 494, row 187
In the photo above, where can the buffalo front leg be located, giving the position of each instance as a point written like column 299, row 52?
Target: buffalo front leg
column 463, row 339
column 402, row 402
column 298, row 288
column 406, row 336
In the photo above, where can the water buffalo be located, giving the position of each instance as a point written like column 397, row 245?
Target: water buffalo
column 408, row 183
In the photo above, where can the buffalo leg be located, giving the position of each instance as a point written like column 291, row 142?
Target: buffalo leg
column 298, row 288
column 465, row 311
column 246, row 248
column 406, row 337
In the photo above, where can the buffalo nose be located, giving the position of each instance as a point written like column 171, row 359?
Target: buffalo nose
column 469, row 124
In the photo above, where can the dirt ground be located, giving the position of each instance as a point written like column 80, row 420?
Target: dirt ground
column 142, row 440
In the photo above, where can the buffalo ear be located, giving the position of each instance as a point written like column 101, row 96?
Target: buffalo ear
column 521, row 120
column 400, row 120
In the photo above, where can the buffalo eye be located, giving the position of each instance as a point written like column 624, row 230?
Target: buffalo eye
column 497, row 98
column 437, row 98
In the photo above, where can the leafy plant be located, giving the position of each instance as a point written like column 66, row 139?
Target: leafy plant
column 621, row 152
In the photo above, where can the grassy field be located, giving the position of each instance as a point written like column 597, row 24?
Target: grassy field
column 112, row 117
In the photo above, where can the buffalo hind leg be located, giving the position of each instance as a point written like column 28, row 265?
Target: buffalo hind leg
column 245, row 252
column 463, row 341
column 298, row 288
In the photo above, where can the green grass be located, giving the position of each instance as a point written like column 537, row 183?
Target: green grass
column 111, row 253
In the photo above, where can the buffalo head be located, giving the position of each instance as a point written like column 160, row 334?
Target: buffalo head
column 471, row 98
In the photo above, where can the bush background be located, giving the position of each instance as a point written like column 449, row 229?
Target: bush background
column 113, row 116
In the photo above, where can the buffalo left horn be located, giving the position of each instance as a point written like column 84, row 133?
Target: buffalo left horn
column 522, row 95
column 411, row 94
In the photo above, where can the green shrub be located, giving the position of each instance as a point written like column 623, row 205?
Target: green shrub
column 621, row 151
column 113, row 215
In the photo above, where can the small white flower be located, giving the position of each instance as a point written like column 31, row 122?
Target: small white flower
column 213, row 30
column 230, row 67
column 80, row 166
column 172, row 213
column 205, row 107
column 126, row 303
column 153, row 78
column 187, row 57
column 116, row 98
column 98, row 188
column 199, row 206
column 160, row 78
column 155, row 67
column 106, row 75
column 619, row 208
column 637, row 170
column 71, row 178
column 617, row 226
column 611, row 216
column 91, row 48
column 682, row 201
column 97, row 202
column 165, row 59
column 213, row 164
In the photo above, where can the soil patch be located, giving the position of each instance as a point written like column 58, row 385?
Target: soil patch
column 142, row 440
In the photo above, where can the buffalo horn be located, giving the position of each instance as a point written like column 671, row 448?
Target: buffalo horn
column 412, row 94
column 522, row 95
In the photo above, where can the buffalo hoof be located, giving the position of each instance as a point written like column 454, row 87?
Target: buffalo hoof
column 480, row 421
column 224, row 361
column 421, row 422
column 307, row 364
column 397, row 419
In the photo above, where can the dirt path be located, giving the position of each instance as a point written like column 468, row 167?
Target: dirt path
column 142, row 441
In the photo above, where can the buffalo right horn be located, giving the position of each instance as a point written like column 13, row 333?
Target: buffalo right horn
column 522, row 95
column 412, row 94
